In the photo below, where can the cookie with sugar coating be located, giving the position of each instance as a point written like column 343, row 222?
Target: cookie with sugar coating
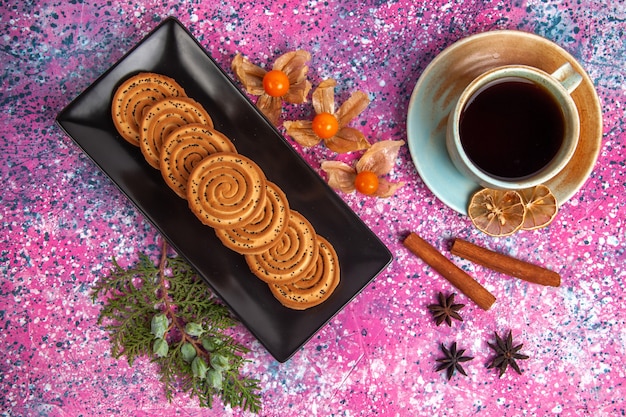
column 163, row 118
column 263, row 231
column 316, row 286
column 135, row 96
column 226, row 190
column 290, row 256
column 184, row 148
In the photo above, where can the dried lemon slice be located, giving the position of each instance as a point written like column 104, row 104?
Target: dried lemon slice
column 497, row 212
column 541, row 207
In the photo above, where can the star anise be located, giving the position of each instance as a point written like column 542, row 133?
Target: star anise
column 452, row 360
column 506, row 354
column 446, row 310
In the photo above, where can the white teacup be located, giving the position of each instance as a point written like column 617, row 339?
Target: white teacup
column 515, row 126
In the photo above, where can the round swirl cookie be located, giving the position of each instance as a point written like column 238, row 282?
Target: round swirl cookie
column 226, row 190
column 184, row 148
column 289, row 257
column 135, row 96
column 163, row 118
column 316, row 286
column 264, row 230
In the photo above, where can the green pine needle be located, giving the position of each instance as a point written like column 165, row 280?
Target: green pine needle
column 134, row 296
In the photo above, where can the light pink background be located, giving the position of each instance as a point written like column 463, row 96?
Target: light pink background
column 63, row 220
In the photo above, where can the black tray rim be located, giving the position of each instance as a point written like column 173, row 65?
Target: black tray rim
column 280, row 355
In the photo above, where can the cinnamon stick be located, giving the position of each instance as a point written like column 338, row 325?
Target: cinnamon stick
column 505, row 264
column 455, row 275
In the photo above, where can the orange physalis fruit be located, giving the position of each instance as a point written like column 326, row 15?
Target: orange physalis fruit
column 325, row 125
column 366, row 182
column 276, row 83
column 285, row 82
column 497, row 212
column 541, row 207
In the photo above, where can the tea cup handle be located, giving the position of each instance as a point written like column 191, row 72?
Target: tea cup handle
column 568, row 77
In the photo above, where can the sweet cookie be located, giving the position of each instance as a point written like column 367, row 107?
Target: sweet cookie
column 290, row 256
column 226, row 190
column 261, row 233
column 163, row 118
column 137, row 94
column 317, row 286
column 184, row 148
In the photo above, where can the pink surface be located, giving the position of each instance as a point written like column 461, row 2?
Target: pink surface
column 63, row 220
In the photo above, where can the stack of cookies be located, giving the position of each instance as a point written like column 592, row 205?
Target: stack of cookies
column 226, row 190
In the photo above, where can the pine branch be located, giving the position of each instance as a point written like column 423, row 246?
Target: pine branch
column 167, row 312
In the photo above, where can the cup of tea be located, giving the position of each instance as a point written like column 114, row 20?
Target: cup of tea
column 515, row 126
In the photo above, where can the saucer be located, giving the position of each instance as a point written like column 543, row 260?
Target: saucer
column 442, row 83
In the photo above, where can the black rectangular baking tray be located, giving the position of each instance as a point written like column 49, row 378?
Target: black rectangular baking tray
column 170, row 49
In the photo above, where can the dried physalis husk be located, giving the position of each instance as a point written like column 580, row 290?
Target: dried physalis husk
column 343, row 138
column 379, row 159
column 293, row 66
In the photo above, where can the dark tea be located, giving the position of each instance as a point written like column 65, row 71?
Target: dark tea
column 512, row 128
